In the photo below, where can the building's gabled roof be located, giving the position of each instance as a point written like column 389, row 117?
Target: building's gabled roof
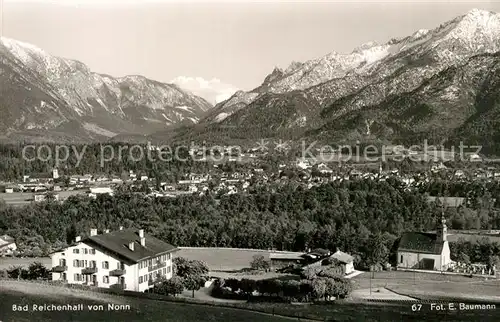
column 420, row 243
column 286, row 256
column 342, row 257
column 117, row 242
column 6, row 240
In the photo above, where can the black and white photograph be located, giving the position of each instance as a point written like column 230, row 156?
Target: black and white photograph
column 249, row 160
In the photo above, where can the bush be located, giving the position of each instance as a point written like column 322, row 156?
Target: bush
column 259, row 263
column 171, row 286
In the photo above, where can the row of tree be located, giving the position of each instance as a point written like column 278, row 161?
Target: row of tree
column 362, row 217
column 34, row 271
column 291, row 290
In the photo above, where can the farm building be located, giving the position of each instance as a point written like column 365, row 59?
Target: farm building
column 126, row 259
column 7, row 245
column 282, row 260
column 344, row 261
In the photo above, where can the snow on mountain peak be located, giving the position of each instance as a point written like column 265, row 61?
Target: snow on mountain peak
column 420, row 33
column 365, row 47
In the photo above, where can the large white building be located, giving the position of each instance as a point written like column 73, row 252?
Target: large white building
column 126, row 259
column 425, row 250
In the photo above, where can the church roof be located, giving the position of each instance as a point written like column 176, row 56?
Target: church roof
column 426, row 243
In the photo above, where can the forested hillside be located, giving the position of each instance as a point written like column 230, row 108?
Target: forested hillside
column 364, row 218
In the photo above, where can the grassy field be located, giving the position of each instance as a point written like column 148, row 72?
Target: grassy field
column 24, row 198
column 223, row 259
column 135, row 309
column 455, row 236
column 426, row 285
column 131, row 309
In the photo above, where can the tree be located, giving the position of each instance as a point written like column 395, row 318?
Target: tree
column 71, row 234
column 172, row 286
column 37, row 270
column 193, row 282
column 463, row 258
column 319, row 287
column 259, row 263
column 16, row 272
column 184, row 268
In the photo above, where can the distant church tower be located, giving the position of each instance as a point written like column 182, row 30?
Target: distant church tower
column 442, row 230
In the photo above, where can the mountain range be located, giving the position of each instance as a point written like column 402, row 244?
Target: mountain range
column 43, row 97
column 442, row 85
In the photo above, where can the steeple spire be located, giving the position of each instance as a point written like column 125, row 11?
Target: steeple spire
column 441, row 229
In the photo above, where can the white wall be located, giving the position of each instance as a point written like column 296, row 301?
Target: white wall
column 411, row 260
column 349, row 268
column 99, row 257
column 446, row 256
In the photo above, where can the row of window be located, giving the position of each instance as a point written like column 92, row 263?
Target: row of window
column 85, row 251
column 153, row 261
column 154, row 275
column 84, row 263
column 83, row 278
column 93, row 264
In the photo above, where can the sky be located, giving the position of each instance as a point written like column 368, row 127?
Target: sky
column 214, row 48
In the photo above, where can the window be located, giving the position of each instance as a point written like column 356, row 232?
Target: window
column 84, row 251
column 75, row 263
column 401, row 259
column 64, row 276
column 150, row 263
column 75, row 277
column 82, row 263
column 76, row 251
column 168, row 269
column 93, row 264
column 105, row 265
column 168, row 256
column 140, row 280
column 78, row 277
column 92, row 251
column 150, row 277
column 164, row 271
column 63, row 254
column 105, row 279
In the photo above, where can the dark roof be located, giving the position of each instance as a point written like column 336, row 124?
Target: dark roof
column 420, row 243
column 285, row 256
column 342, row 257
column 319, row 252
column 7, row 238
column 117, row 242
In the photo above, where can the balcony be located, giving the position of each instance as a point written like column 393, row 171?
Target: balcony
column 118, row 286
column 117, row 272
column 89, row 270
column 157, row 265
column 59, row 269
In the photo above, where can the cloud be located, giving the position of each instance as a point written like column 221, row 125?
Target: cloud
column 212, row 90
